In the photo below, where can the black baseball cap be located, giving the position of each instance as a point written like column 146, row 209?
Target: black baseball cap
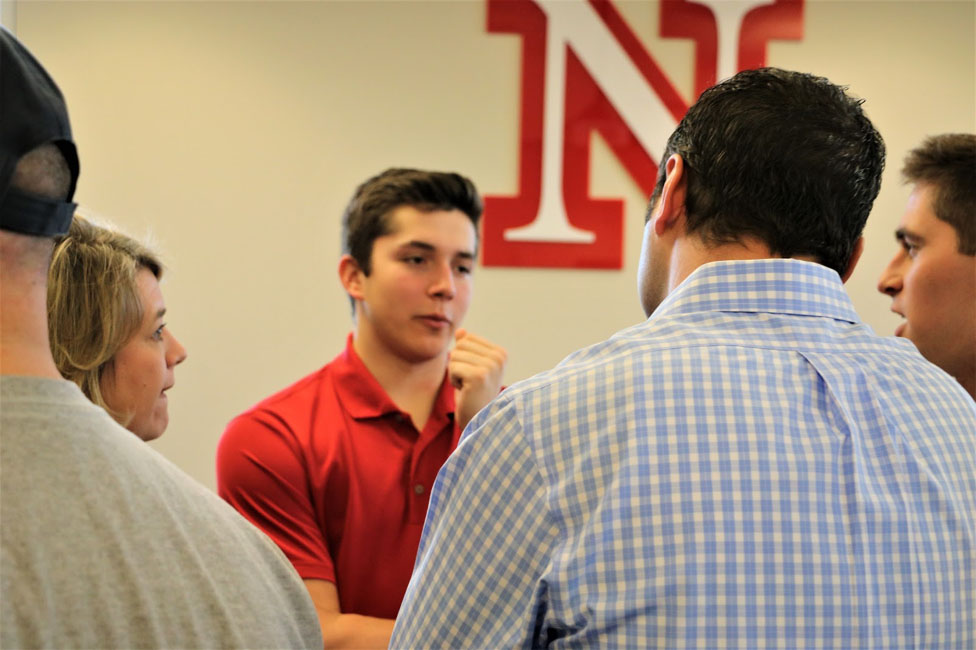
column 32, row 113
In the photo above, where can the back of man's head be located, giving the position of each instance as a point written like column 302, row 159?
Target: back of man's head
column 38, row 161
column 38, row 173
column 784, row 157
column 948, row 163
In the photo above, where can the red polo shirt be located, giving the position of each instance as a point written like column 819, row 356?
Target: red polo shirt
column 339, row 478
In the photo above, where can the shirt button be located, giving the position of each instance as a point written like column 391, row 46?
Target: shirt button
column 418, row 488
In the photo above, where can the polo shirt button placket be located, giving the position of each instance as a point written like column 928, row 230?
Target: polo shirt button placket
column 418, row 489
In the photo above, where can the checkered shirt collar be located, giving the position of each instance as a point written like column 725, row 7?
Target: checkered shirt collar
column 785, row 286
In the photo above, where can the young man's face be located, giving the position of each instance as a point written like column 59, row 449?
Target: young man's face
column 419, row 286
column 933, row 286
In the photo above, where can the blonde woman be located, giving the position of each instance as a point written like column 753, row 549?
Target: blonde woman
column 105, row 318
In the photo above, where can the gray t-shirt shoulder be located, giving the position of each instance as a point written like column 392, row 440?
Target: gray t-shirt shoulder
column 105, row 543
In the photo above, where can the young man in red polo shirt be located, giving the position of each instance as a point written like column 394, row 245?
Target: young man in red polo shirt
column 337, row 468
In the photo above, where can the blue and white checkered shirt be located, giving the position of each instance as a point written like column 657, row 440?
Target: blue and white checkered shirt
column 751, row 467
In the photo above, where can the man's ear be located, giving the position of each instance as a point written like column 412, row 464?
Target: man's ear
column 351, row 277
column 670, row 209
column 855, row 256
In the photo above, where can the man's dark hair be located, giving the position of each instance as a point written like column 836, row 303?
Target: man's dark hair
column 948, row 163
column 368, row 214
column 786, row 157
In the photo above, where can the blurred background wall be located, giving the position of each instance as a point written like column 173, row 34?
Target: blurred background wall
column 231, row 134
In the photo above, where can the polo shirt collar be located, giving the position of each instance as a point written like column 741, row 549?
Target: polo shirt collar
column 783, row 286
column 363, row 397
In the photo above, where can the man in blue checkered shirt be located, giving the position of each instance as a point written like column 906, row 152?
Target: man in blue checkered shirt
column 751, row 467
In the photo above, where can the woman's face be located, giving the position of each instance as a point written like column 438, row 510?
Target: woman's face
column 135, row 382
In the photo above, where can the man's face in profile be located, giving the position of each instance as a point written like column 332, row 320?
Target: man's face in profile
column 933, row 286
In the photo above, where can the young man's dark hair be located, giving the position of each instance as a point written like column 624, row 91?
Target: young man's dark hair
column 781, row 170
column 948, row 163
column 368, row 214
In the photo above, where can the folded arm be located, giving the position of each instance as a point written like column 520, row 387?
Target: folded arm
column 346, row 630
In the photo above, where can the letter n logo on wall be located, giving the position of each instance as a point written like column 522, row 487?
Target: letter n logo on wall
column 584, row 70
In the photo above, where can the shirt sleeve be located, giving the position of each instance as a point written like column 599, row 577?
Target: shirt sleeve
column 479, row 577
column 261, row 473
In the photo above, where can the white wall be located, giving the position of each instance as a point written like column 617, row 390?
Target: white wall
column 234, row 133
column 7, row 13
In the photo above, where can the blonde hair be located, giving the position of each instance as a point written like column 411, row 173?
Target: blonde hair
column 93, row 304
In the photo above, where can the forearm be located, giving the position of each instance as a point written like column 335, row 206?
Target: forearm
column 354, row 631
column 346, row 630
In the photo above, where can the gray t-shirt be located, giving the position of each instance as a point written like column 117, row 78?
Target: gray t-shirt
column 106, row 544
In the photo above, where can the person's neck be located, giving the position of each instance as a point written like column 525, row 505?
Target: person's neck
column 25, row 348
column 691, row 252
column 413, row 386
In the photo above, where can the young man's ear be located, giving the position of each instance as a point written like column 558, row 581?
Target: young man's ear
column 351, row 277
column 855, row 256
column 670, row 208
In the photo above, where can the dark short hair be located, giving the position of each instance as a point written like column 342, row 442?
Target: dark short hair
column 786, row 157
column 948, row 163
column 368, row 214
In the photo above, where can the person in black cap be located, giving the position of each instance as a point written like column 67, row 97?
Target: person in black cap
column 34, row 198
column 38, row 173
column 104, row 543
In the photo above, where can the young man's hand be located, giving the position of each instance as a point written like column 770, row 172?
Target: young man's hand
column 475, row 367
